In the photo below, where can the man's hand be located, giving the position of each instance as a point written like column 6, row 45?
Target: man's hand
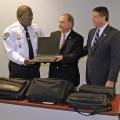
column 28, row 62
column 109, row 83
column 59, row 58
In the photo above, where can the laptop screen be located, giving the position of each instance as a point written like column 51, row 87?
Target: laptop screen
column 47, row 46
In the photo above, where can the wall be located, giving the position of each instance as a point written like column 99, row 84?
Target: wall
column 46, row 15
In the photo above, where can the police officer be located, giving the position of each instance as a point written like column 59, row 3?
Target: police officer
column 20, row 42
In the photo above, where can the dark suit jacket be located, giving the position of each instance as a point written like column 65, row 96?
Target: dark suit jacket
column 72, row 50
column 103, row 62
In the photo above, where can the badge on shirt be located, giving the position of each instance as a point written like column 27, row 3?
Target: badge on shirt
column 104, row 35
column 36, row 34
column 6, row 36
column 19, row 36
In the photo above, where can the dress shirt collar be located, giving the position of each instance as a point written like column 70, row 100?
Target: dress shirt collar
column 102, row 29
column 66, row 34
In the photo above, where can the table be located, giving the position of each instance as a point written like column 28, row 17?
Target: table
column 25, row 110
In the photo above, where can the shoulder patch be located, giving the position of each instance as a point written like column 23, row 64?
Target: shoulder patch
column 6, row 36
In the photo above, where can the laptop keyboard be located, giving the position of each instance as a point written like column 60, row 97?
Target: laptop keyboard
column 45, row 58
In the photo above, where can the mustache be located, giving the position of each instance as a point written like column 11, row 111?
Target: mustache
column 60, row 26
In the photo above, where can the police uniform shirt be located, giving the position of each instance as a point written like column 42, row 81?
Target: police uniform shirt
column 16, row 46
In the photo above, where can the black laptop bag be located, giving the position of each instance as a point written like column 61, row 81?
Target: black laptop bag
column 91, row 97
column 49, row 90
column 88, row 88
column 14, row 89
column 89, row 101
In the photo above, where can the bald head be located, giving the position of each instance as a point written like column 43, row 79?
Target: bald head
column 24, row 15
column 23, row 9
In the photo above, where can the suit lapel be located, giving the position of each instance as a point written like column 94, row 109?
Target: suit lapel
column 91, row 38
column 102, row 37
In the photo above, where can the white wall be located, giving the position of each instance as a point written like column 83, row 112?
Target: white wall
column 46, row 13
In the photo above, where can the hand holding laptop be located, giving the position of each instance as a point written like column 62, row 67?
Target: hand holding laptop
column 59, row 58
column 28, row 62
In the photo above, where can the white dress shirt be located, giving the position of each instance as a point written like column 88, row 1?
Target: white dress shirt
column 65, row 37
column 15, row 43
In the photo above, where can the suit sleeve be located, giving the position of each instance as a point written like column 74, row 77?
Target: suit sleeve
column 115, row 58
column 85, row 49
column 76, row 53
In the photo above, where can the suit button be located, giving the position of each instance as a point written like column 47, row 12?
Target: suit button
column 57, row 68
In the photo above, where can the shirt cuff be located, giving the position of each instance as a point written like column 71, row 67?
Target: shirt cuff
column 22, row 61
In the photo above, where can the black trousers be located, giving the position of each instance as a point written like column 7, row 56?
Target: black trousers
column 65, row 72
column 22, row 71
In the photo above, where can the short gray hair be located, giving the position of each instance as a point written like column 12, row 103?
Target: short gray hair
column 70, row 18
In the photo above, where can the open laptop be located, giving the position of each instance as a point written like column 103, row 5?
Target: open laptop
column 47, row 51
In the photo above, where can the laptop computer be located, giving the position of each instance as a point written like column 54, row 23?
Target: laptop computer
column 47, row 51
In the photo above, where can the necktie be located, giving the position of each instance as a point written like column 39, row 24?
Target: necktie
column 96, row 38
column 31, row 54
column 62, row 40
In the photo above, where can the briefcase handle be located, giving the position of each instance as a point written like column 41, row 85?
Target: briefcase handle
column 97, row 111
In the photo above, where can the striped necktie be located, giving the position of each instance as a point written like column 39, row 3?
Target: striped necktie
column 95, row 38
